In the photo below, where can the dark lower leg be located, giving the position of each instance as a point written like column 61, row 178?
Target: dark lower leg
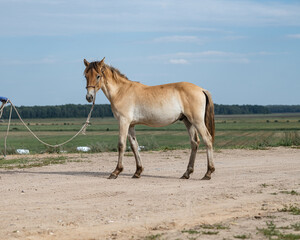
column 139, row 170
column 207, row 139
column 134, row 147
column 190, row 168
column 194, row 146
column 119, row 167
column 210, row 164
column 121, row 148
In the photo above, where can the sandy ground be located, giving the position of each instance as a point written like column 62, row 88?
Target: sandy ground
column 77, row 201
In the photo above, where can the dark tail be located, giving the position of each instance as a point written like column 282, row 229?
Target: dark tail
column 209, row 115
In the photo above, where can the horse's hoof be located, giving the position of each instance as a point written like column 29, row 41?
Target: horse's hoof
column 206, row 177
column 136, row 176
column 185, row 177
column 112, row 176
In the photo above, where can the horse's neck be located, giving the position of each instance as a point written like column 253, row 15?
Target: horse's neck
column 112, row 87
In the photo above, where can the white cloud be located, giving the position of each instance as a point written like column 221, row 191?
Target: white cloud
column 45, row 60
column 213, row 56
column 178, row 39
column 204, row 56
column 296, row 36
column 231, row 37
column 178, row 61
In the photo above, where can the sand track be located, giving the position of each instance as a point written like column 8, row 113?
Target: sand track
column 77, row 201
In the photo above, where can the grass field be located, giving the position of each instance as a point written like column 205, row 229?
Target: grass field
column 232, row 131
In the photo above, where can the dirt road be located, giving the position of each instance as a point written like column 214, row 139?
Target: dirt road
column 77, row 201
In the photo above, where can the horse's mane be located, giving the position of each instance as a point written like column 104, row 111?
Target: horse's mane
column 114, row 71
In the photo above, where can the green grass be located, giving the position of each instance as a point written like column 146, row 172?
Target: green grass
column 214, row 226
column 232, row 131
column 291, row 209
column 191, row 231
column 296, row 226
column 210, row 232
column 153, row 237
column 205, row 229
column 264, row 185
column 243, row 236
column 293, row 192
column 272, row 232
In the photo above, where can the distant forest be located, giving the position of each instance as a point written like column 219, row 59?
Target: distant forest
column 104, row 110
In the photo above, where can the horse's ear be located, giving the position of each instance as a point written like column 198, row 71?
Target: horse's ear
column 101, row 63
column 86, row 63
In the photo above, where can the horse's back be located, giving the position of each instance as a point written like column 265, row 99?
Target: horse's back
column 177, row 85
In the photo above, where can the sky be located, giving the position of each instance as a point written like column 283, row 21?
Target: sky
column 243, row 52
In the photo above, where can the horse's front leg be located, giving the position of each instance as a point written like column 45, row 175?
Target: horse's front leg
column 123, row 131
column 134, row 147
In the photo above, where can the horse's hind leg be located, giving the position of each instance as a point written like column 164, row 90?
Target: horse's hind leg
column 207, row 139
column 194, row 146
column 134, row 146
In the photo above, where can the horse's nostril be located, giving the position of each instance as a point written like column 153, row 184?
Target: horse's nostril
column 89, row 98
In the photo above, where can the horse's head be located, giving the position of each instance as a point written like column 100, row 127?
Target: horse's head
column 94, row 73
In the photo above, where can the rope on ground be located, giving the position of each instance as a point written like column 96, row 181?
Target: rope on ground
column 12, row 106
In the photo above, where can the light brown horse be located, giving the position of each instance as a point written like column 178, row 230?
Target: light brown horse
column 134, row 103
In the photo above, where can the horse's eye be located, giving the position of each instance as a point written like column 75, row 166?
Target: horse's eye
column 98, row 77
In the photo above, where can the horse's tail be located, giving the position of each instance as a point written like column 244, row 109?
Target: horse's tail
column 209, row 114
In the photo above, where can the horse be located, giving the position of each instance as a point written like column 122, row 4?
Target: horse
column 134, row 103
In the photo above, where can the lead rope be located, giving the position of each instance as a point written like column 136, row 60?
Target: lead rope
column 82, row 130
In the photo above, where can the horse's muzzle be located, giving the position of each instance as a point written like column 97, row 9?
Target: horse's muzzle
column 89, row 97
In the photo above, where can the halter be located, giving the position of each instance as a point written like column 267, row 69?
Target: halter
column 90, row 87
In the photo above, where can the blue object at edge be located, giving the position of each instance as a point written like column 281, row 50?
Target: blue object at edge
column 3, row 99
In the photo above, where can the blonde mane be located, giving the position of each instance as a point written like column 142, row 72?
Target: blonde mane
column 114, row 71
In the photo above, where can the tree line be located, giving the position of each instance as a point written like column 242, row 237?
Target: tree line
column 221, row 109
column 61, row 111
column 104, row 110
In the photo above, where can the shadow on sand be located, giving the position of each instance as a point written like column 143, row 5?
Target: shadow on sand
column 86, row 174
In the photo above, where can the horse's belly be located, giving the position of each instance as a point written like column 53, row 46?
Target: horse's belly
column 158, row 117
